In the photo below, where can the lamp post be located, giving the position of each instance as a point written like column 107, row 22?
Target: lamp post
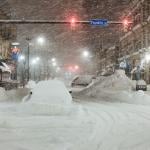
column 34, row 63
column 22, row 60
column 28, row 59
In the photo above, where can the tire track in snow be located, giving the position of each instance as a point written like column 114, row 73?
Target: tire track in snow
column 121, row 126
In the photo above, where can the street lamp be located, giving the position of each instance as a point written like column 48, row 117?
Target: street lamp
column 85, row 54
column 147, row 58
column 53, row 59
column 41, row 40
column 21, row 57
column 37, row 58
column 28, row 58
column 22, row 62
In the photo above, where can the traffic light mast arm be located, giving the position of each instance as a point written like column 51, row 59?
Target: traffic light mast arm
column 118, row 22
column 53, row 22
column 41, row 22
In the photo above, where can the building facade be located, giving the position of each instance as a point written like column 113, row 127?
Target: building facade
column 135, row 44
column 7, row 36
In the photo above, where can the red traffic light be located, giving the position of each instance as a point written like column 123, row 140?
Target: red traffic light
column 125, row 22
column 127, row 25
column 73, row 21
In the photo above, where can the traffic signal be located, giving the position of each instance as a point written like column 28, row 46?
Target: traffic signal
column 125, row 22
column 127, row 25
column 73, row 22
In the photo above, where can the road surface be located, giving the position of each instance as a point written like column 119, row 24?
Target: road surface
column 88, row 126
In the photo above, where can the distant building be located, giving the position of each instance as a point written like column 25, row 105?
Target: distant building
column 7, row 36
column 134, row 44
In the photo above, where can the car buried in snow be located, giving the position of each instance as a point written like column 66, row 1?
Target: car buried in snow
column 141, row 85
column 82, row 80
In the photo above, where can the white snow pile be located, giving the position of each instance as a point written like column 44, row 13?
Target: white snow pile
column 3, row 96
column 117, row 81
column 115, row 88
column 49, row 98
column 51, row 92
column 12, row 95
column 31, row 84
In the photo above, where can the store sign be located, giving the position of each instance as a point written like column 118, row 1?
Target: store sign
column 15, row 53
column 15, row 50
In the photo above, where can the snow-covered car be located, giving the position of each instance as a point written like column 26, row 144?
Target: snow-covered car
column 141, row 85
column 107, row 72
column 82, row 80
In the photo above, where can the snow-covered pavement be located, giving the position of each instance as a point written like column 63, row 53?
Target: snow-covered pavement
column 49, row 120
column 106, row 126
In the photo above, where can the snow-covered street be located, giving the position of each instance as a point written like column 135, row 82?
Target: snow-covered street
column 92, row 126
column 95, row 119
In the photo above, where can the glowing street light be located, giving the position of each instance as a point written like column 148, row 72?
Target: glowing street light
column 53, row 59
column 86, row 54
column 21, row 57
column 41, row 40
column 35, row 60
column 147, row 58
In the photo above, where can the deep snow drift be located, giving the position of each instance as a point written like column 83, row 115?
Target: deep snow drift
column 115, row 88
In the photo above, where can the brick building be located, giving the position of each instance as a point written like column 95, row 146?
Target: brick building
column 135, row 44
column 7, row 36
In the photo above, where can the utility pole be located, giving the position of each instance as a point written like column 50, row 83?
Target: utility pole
column 28, row 59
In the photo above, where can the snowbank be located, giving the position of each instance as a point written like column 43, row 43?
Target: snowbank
column 51, row 92
column 114, row 88
column 31, row 84
column 13, row 95
column 3, row 96
column 117, row 81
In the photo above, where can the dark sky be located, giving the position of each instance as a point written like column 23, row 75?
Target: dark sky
column 64, row 42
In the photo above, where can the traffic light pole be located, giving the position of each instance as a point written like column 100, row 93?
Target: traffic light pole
column 52, row 22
